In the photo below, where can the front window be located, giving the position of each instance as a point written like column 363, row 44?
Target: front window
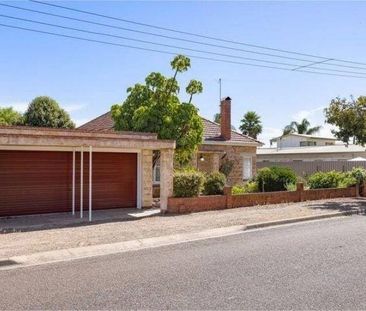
column 247, row 167
column 156, row 173
column 307, row 143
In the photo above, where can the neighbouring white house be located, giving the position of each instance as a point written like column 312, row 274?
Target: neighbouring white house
column 304, row 148
column 301, row 140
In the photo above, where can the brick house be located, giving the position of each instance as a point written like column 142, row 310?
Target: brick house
column 221, row 146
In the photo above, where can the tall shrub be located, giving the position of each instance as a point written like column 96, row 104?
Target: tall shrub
column 275, row 178
column 44, row 111
column 214, row 183
column 325, row 180
column 187, row 183
column 359, row 173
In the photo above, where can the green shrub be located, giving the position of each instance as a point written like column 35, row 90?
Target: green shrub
column 275, row 178
column 238, row 189
column 249, row 187
column 320, row 180
column 214, row 183
column 290, row 187
column 359, row 173
column 347, row 180
column 187, row 183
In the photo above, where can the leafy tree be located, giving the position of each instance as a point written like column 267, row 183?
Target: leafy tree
column 44, row 111
column 349, row 116
column 251, row 124
column 301, row 128
column 8, row 116
column 217, row 117
column 194, row 87
column 155, row 107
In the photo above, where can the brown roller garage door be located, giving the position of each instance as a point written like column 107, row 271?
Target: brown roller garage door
column 41, row 181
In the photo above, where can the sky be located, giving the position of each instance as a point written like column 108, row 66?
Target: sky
column 86, row 78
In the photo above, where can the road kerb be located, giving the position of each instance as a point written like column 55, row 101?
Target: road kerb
column 299, row 219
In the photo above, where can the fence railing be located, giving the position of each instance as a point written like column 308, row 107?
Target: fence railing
column 307, row 168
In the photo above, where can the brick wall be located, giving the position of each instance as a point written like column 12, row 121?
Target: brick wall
column 197, row 204
column 206, row 203
column 225, row 122
column 235, row 154
column 147, row 178
column 206, row 165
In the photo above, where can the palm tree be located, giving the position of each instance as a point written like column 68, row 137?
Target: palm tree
column 251, row 124
column 301, row 128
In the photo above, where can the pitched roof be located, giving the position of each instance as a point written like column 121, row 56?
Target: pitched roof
column 312, row 149
column 211, row 134
column 103, row 123
column 303, row 135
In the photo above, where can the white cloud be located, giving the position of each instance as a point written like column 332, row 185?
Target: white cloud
column 269, row 133
column 22, row 106
column 74, row 107
column 79, row 122
column 18, row 106
column 306, row 114
column 326, row 130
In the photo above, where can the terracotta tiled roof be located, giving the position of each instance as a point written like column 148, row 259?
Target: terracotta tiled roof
column 212, row 130
column 102, row 123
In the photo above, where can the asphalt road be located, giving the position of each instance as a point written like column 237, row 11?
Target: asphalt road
column 316, row 265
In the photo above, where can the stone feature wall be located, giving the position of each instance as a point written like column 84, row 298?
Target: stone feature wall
column 147, row 197
column 166, row 180
column 233, row 153
column 211, row 162
column 217, row 202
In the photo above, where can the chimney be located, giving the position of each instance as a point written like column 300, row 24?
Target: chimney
column 225, row 108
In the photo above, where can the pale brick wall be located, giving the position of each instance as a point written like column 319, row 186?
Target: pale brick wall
column 166, row 173
column 211, row 162
column 206, row 165
column 234, row 153
column 147, row 178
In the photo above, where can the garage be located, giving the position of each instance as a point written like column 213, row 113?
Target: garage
column 45, row 170
column 41, row 181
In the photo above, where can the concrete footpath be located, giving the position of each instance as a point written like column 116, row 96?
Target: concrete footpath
column 72, row 253
column 121, row 247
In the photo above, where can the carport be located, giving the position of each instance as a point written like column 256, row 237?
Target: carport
column 56, row 170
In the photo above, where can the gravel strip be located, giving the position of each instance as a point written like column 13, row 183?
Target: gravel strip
column 22, row 243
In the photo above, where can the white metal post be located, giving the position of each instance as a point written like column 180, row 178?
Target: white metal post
column 73, row 182
column 81, row 180
column 90, row 182
column 139, row 180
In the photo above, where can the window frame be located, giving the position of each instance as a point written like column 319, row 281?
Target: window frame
column 250, row 158
column 155, row 168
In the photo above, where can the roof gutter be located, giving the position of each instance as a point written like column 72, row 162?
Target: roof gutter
column 225, row 143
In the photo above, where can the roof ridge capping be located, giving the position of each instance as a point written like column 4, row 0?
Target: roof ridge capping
column 32, row 130
column 304, row 135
